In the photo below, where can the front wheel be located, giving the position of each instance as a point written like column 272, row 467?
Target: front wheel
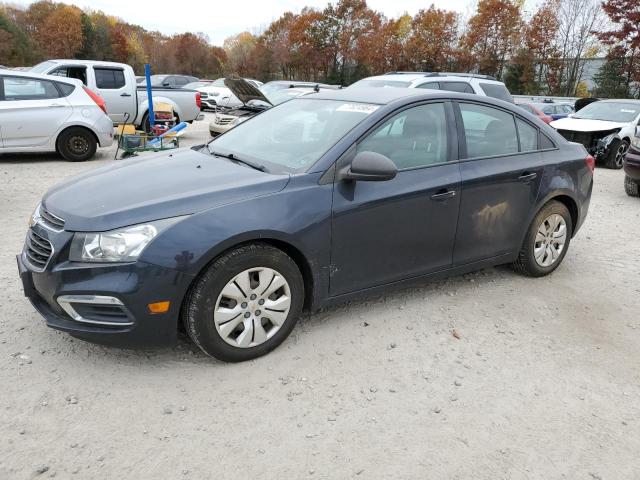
column 616, row 154
column 245, row 304
column 546, row 241
column 77, row 144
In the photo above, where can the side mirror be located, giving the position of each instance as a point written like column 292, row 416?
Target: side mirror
column 372, row 167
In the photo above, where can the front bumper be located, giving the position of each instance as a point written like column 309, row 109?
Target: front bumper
column 118, row 314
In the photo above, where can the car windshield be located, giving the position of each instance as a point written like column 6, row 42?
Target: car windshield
column 42, row 67
column 218, row 83
column 194, row 85
column 610, row 111
column 381, row 83
column 294, row 135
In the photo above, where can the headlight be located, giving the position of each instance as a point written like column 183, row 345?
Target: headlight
column 33, row 219
column 121, row 245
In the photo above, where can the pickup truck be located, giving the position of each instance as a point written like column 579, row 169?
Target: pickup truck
column 116, row 83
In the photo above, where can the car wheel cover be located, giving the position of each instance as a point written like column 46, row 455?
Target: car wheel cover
column 621, row 153
column 78, row 145
column 550, row 241
column 252, row 307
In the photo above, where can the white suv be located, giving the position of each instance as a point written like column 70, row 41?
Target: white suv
column 485, row 85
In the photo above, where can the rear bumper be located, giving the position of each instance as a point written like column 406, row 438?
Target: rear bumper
column 117, row 314
column 103, row 129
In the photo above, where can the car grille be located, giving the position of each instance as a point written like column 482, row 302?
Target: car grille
column 204, row 95
column 50, row 220
column 38, row 250
column 585, row 138
column 224, row 120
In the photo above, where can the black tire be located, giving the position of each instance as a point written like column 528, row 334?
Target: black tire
column 631, row 186
column 77, row 144
column 201, row 301
column 526, row 263
column 144, row 125
column 615, row 155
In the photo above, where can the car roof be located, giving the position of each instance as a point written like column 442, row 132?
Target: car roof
column 434, row 77
column 28, row 74
column 384, row 96
column 619, row 100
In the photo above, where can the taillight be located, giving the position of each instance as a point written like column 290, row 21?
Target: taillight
column 591, row 163
column 198, row 100
column 96, row 98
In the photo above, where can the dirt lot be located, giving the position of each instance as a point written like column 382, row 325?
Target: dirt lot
column 542, row 383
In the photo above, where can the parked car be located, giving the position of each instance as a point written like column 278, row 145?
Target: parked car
column 484, row 85
column 605, row 128
column 126, row 100
column 169, row 81
column 314, row 201
column 555, row 110
column 254, row 101
column 40, row 114
column 632, row 166
column 534, row 110
column 216, row 94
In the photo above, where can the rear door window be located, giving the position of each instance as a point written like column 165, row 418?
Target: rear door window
column 496, row 90
column 21, row 88
column 78, row 72
column 488, row 131
column 461, row 87
column 109, row 78
column 430, row 86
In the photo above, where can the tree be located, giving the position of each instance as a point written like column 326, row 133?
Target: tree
column 238, row 49
column 610, row 82
column 493, row 34
column 16, row 48
column 60, row 34
column 539, row 38
column 519, row 76
column 624, row 39
column 434, row 33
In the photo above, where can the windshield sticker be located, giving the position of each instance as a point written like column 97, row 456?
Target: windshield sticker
column 365, row 108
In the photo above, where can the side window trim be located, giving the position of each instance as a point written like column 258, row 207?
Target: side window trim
column 452, row 145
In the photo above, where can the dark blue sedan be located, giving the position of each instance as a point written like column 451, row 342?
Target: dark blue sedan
column 312, row 202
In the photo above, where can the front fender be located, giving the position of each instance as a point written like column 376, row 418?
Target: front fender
column 298, row 217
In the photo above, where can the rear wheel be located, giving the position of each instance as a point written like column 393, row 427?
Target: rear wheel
column 616, row 155
column 631, row 186
column 77, row 144
column 245, row 304
column 546, row 241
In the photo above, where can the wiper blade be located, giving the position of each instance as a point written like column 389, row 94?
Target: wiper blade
column 233, row 158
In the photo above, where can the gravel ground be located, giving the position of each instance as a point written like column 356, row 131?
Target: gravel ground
column 484, row 376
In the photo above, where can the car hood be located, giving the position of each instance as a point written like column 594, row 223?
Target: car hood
column 244, row 90
column 154, row 187
column 584, row 125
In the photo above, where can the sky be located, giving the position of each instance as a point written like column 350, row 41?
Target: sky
column 220, row 19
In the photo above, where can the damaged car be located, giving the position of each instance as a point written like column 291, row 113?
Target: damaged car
column 255, row 100
column 605, row 128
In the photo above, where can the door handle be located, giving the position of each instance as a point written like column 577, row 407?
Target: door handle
column 527, row 177
column 55, row 105
column 443, row 195
column 125, row 94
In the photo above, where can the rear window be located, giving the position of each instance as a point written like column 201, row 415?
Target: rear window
column 22, row 88
column 497, row 90
column 65, row 88
column 109, row 78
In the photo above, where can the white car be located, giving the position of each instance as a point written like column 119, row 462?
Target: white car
column 485, row 85
column 605, row 128
column 216, row 94
column 39, row 113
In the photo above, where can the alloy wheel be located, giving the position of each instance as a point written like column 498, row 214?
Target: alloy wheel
column 252, row 307
column 550, row 240
column 621, row 153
